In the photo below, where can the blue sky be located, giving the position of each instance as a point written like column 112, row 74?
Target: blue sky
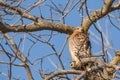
column 39, row 49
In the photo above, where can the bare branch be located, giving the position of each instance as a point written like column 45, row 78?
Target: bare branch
column 20, row 55
column 63, row 72
column 100, row 13
column 37, row 26
column 18, row 16
column 100, row 65
column 115, row 61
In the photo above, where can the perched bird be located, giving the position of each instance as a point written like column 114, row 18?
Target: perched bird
column 79, row 46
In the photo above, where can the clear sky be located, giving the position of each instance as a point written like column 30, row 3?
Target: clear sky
column 110, row 33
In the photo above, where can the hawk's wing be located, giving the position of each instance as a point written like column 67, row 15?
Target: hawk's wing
column 81, row 45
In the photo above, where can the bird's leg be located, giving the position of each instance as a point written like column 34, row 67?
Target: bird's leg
column 76, row 65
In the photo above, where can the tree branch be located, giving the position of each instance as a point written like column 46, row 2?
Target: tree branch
column 115, row 61
column 63, row 72
column 20, row 55
column 39, row 24
column 100, row 13
column 100, row 65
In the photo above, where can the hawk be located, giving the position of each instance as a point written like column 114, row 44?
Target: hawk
column 79, row 46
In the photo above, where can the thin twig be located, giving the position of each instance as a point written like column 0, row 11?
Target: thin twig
column 103, row 53
column 64, row 44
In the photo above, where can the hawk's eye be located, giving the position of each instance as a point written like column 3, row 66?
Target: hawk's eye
column 80, row 29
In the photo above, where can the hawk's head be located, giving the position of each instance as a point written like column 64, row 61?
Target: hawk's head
column 79, row 29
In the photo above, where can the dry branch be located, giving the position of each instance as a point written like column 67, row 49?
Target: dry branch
column 20, row 55
column 115, row 61
column 100, row 13
column 37, row 26
column 41, row 24
column 63, row 72
column 100, row 66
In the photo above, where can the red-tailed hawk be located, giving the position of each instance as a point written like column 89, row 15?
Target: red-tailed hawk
column 79, row 46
